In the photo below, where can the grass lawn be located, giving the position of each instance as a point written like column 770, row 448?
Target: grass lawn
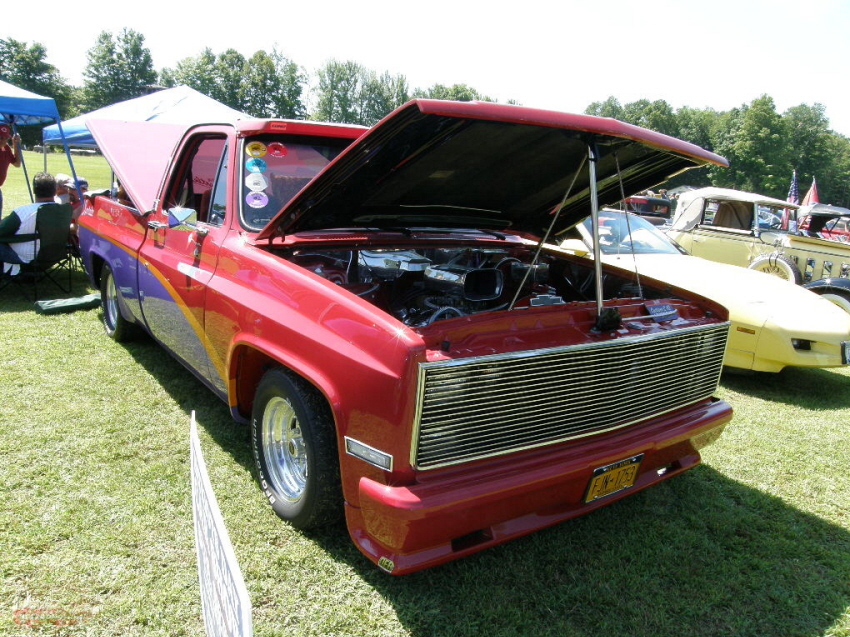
column 96, row 519
column 96, row 522
column 15, row 192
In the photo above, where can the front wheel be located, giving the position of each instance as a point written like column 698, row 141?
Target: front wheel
column 778, row 265
column 294, row 444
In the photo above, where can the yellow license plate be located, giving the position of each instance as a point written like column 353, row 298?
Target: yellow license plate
column 613, row 478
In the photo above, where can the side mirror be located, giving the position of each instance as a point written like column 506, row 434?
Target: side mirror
column 185, row 217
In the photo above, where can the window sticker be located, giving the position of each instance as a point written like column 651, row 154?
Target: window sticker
column 256, row 182
column 257, row 199
column 276, row 149
column 256, row 165
column 256, row 149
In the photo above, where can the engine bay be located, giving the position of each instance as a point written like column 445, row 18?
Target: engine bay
column 421, row 286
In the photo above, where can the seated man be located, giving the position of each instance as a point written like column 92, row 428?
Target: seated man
column 22, row 221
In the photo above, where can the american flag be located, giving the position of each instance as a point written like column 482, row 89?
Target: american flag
column 794, row 190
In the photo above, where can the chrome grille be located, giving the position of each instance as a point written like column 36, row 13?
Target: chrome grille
column 492, row 405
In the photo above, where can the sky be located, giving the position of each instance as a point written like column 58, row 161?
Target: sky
column 553, row 54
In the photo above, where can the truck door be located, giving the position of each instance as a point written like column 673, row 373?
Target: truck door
column 180, row 254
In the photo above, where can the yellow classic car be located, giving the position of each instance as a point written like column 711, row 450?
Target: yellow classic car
column 762, row 233
column 774, row 323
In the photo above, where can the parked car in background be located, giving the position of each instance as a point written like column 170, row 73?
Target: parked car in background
column 723, row 225
column 657, row 210
column 774, row 325
column 825, row 221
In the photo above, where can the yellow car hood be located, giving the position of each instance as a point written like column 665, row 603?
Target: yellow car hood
column 752, row 297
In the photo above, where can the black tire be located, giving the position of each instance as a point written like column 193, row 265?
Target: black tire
column 778, row 265
column 117, row 327
column 294, row 443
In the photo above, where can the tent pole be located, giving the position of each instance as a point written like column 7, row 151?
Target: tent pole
column 70, row 163
column 23, row 161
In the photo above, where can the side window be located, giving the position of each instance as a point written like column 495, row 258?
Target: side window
column 193, row 185
column 219, row 197
column 737, row 215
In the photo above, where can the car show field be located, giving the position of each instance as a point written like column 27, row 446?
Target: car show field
column 97, row 519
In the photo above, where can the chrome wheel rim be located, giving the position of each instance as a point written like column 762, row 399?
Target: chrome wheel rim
column 110, row 303
column 284, row 449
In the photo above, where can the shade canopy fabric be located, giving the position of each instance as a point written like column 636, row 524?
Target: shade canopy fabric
column 18, row 106
column 178, row 105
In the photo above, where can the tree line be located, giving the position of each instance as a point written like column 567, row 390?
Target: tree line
column 762, row 145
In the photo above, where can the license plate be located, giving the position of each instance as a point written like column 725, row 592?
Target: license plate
column 613, row 478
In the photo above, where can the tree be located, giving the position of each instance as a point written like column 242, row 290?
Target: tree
column 808, row 146
column 258, row 85
column 656, row 115
column 286, row 99
column 381, row 95
column 834, row 178
column 229, row 69
column 118, row 69
column 198, row 73
column 339, row 92
column 456, row 92
column 609, row 108
column 754, row 144
column 26, row 67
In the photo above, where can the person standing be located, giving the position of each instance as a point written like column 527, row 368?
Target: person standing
column 10, row 155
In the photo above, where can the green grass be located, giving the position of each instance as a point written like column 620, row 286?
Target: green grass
column 96, row 519
column 15, row 192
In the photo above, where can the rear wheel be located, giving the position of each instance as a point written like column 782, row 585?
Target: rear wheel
column 117, row 327
column 294, row 443
column 778, row 265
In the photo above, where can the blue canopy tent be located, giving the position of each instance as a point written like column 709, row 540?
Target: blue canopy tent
column 178, row 105
column 21, row 107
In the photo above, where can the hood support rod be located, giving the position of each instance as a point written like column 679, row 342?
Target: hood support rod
column 593, row 156
column 607, row 319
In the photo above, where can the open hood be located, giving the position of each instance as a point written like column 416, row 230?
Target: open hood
column 482, row 165
column 139, row 153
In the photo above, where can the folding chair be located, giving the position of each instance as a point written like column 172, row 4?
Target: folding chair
column 53, row 233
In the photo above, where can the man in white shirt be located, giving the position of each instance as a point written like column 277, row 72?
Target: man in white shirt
column 22, row 221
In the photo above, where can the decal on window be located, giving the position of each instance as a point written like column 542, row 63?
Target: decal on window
column 255, row 182
column 276, row 149
column 257, row 199
column 256, row 149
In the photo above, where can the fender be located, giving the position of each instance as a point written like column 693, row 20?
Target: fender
column 831, row 284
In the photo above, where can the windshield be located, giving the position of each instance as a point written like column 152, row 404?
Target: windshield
column 620, row 233
column 275, row 168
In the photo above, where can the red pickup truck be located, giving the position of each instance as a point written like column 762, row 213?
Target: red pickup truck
column 388, row 312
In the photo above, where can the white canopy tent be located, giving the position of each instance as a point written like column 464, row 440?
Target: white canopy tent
column 178, row 105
